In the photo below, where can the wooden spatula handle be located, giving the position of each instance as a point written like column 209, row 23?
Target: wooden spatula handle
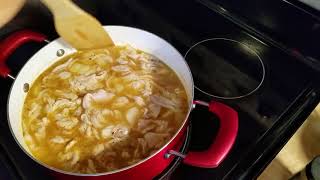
column 75, row 26
column 58, row 8
column 8, row 9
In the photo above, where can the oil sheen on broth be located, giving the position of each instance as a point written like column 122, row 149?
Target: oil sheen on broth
column 101, row 110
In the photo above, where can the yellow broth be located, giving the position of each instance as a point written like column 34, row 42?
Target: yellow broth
column 101, row 110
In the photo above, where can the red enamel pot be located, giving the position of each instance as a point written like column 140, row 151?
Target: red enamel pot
column 151, row 166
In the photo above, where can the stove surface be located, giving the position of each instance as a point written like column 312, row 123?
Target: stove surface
column 267, row 118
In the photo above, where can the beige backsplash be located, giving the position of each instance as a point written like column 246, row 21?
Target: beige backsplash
column 299, row 151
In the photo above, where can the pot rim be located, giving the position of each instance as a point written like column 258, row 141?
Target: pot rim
column 124, row 168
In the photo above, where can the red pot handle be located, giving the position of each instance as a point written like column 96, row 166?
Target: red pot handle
column 224, row 141
column 12, row 42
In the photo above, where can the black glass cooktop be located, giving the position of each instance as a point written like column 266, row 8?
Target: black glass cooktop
column 267, row 118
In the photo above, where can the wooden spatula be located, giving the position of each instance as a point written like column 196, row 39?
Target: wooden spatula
column 8, row 9
column 75, row 26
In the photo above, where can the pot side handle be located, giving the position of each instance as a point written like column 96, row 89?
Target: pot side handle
column 224, row 140
column 12, row 42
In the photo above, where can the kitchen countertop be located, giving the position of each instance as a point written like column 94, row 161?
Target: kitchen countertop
column 313, row 3
column 298, row 152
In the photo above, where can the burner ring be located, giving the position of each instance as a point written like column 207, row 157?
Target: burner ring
column 247, row 49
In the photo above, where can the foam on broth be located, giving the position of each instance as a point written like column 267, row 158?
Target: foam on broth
column 100, row 110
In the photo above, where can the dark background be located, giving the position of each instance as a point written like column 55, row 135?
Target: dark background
column 290, row 22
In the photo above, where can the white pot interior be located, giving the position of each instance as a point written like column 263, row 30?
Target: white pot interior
column 44, row 58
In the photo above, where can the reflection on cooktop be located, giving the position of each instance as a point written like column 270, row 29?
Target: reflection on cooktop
column 225, row 68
